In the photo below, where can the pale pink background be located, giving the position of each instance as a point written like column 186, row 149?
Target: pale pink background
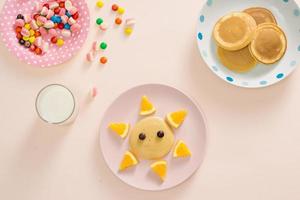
column 254, row 135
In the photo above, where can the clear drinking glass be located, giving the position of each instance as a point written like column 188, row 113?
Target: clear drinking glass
column 56, row 104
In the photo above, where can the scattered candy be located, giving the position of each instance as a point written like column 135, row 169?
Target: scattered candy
column 90, row 57
column 103, row 60
column 115, row 7
column 99, row 21
column 94, row 92
column 95, row 46
column 103, row 45
column 118, row 21
column 130, row 22
column 103, row 27
column 121, row 10
column 100, row 4
column 128, row 30
column 60, row 42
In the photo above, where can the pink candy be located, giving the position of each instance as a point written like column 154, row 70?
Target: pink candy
column 42, row 19
column 90, row 57
column 25, row 32
column 20, row 22
column 95, row 46
column 43, row 31
column 73, row 10
column 27, row 18
column 38, row 7
column 52, row 32
column 94, row 92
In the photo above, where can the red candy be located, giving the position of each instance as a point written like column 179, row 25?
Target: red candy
column 38, row 51
column 115, row 7
column 62, row 4
column 61, row 26
column 57, row 10
column 36, row 16
column 32, row 48
column 46, row 5
column 54, row 40
column 75, row 16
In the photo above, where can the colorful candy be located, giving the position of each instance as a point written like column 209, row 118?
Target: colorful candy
column 121, row 10
column 128, row 30
column 114, row 7
column 103, row 60
column 99, row 21
column 33, row 30
column 103, row 45
column 100, row 4
column 118, row 21
column 94, row 92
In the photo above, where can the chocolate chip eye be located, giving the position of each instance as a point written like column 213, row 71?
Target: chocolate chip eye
column 142, row 136
column 160, row 134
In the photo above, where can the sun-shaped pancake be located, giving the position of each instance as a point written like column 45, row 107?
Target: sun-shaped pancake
column 152, row 138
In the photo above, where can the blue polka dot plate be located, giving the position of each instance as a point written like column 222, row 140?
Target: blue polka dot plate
column 287, row 14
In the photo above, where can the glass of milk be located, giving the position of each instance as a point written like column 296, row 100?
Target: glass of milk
column 56, row 104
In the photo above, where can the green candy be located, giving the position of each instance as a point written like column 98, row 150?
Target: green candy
column 99, row 21
column 103, row 45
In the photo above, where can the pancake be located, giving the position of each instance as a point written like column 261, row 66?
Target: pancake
column 234, row 31
column 151, row 146
column 269, row 43
column 238, row 61
column 261, row 15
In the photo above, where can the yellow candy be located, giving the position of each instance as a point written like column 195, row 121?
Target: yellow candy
column 121, row 10
column 100, row 4
column 128, row 31
column 32, row 39
column 25, row 38
column 60, row 42
column 32, row 32
column 27, row 26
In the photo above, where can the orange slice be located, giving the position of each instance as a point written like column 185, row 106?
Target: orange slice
column 181, row 150
column 121, row 129
column 128, row 160
column 160, row 169
column 175, row 119
column 146, row 107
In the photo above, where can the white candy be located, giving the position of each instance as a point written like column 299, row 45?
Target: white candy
column 33, row 25
column 68, row 5
column 130, row 22
column 38, row 41
column 49, row 24
column 53, row 5
column 66, row 33
column 72, row 21
column 44, row 11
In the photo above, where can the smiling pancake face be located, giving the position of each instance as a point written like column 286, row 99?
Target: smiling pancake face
column 151, row 138
column 261, row 15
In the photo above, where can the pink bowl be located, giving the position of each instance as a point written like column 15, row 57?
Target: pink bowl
column 55, row 55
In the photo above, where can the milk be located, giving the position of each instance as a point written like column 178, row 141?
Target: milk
column 56, row 104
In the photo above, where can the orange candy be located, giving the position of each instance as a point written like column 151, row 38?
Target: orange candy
column 18, row 29
column 103, row 60
column 38, row 51
column 118, row 21
column 37, row 34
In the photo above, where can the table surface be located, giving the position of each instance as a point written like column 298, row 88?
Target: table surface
column 253, row 149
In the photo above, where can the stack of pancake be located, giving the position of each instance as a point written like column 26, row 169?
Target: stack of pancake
column 245, row 38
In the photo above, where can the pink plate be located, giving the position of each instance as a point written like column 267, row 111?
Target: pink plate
column 55, row 55
column 166, row 99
